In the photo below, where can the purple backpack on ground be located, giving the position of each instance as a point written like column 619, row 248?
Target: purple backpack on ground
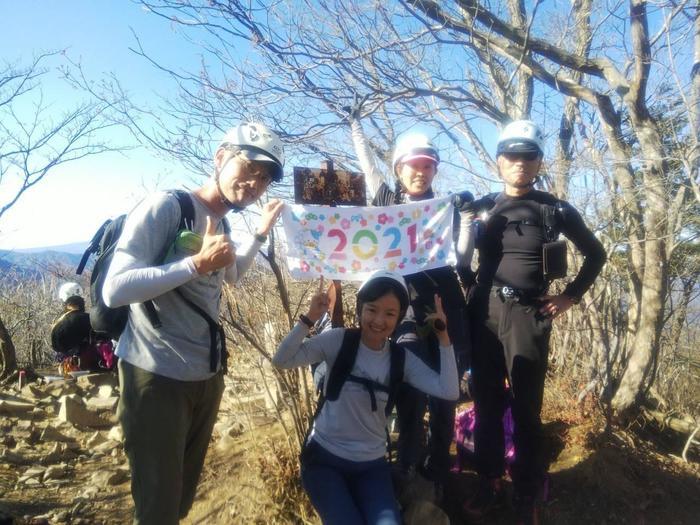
column 465, row 422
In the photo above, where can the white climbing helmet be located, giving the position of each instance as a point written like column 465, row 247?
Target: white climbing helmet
column 364, row 294
column 257, row 142
column 69, row 290
column 414, row 146
column 384, row 274
column 521, row 136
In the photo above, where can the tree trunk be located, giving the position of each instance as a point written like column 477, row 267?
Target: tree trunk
column 695, row 108
column 637, row 376
column 8, row 357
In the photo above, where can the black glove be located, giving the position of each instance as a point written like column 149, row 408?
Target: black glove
column 482, row 204
column 463, row 200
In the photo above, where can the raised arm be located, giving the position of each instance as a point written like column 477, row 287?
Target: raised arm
column 373, row 177
column 244, row 258
column 298, row 350
column 295, row 350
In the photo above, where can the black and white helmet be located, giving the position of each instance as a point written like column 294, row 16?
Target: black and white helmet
column 257, row 142
column 521, row 136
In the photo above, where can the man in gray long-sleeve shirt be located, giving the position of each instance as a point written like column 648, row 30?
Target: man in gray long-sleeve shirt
column 170, row 386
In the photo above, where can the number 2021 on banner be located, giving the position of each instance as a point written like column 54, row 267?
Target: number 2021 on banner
column 365, row 243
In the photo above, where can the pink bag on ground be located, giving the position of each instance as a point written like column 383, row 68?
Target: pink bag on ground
column 465, row 422
column 105, row 352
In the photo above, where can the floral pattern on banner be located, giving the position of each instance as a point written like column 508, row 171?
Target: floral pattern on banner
column 350, row 243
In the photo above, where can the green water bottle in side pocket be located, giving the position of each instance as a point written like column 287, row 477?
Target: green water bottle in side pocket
column 186, row 243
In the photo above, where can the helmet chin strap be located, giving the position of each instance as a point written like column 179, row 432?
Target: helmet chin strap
column 230, row 205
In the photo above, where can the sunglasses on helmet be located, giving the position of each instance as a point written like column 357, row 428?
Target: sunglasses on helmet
column 524, row 155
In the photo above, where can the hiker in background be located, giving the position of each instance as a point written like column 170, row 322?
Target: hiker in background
column 71, row 336
column 414, row 167
column 343, row 465
column 171, row 373
column 512, row 312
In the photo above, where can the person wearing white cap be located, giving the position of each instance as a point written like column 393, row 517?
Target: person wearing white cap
column 343, row 462
column 71, row 333
column 69, row 290
column 511, row 314
column 415, row 163
column 171, row 372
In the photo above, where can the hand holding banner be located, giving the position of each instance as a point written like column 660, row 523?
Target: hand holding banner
column 350, row 243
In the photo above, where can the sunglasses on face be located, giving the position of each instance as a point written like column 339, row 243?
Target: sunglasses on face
column 524, row 155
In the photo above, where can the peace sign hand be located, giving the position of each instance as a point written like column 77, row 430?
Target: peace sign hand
column 319, row 303
column 439, row 322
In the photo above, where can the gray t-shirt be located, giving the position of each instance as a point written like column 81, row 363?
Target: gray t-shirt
column 347, row 427
column 180, row 348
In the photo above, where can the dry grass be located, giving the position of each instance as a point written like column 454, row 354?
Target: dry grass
column 279, row 470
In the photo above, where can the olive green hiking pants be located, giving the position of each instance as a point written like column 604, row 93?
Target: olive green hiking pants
column 167, row 426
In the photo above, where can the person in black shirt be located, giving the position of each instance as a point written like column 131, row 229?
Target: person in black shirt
column 71, row 332
column 414, row 166
column 511, row 316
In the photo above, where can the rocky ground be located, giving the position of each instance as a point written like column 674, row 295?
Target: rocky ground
column 61, row 458
column 61, row 453
column 62, row 462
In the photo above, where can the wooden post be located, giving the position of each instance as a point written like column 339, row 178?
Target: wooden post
column 337, row 316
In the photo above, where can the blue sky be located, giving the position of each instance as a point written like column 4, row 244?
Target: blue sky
column 76, row 198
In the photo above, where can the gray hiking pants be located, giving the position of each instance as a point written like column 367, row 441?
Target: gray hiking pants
column 167, row 426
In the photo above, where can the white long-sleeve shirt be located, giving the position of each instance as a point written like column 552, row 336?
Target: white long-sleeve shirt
column 180, row 348
column 347, row 427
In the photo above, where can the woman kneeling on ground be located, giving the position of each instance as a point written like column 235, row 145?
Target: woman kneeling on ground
column 343, row 467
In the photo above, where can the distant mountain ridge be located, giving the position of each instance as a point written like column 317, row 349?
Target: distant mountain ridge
column 73, row 248
column 34, row 264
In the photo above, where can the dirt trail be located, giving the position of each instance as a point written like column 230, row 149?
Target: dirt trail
column 78, row 475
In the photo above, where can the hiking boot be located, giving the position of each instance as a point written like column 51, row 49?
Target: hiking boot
column 528, row 511
column 489, row 496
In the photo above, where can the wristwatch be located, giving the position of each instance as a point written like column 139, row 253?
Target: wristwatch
column 260, row 237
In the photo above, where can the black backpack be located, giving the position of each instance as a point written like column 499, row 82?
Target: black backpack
column 342, row 368
column 341, row 372
column 106, row 321
column 110, row 322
